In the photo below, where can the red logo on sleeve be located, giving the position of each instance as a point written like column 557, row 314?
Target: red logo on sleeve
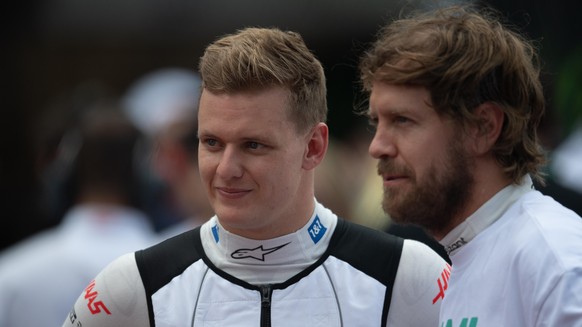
column 94, row 306
column 443, row 282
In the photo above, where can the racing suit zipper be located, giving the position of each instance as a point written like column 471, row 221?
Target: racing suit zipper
column 266, row 292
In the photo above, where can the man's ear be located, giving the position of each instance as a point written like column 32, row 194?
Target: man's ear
column 490, row 123
column 316, row 146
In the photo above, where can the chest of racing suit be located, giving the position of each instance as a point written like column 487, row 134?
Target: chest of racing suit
column 350, row 285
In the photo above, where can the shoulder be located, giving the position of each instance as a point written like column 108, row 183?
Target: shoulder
column 352, row 238
column 421, row 271
column 161, row 262
column 38, row 255
column 31, row 248
column 538, row 205
column 420, row 262
column 369, row 250
column 542, row 231
column 419, row 287
column 348, row 232
column 116, row 297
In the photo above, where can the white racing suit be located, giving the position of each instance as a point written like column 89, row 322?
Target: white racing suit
column 329, row 273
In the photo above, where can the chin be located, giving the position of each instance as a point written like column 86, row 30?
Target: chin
column 230, row 214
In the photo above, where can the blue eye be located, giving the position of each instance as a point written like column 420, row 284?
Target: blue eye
column 211, row 142
column 253, row 145
column 401, row 120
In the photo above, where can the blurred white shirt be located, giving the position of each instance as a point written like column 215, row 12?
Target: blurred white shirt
column 42, row 276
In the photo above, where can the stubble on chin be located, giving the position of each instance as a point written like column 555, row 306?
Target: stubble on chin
column 433, row 202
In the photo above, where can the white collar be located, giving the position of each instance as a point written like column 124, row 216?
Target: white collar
column 272, row 260
column 486, row 215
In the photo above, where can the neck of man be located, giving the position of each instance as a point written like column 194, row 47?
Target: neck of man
column 488, row 180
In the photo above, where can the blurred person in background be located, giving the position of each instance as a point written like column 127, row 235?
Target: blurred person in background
column 41, row 275
column 163, row 104
column 339, row 178
column 456, row 99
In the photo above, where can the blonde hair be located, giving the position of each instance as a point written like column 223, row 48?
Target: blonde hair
column 259, row 58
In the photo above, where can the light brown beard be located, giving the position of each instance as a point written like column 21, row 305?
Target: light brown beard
column 433, row 202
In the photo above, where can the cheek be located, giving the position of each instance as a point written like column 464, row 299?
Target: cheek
column 439, row 155
column 424, row 155
column 281, row 173
column 206, row 167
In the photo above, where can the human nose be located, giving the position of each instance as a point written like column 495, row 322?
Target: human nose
column 382, row 145
column 229, row 165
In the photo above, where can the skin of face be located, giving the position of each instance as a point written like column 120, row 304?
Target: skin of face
column 256, row 167
column 422, row 160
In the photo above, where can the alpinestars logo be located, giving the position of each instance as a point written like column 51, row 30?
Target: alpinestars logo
column 258, row 253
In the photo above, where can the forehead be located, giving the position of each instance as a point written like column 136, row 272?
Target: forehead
column 245, row 100
column 390, row 97
column 256, row 111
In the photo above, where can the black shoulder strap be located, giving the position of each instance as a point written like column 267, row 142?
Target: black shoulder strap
column 371, row 251
column 160, row 263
